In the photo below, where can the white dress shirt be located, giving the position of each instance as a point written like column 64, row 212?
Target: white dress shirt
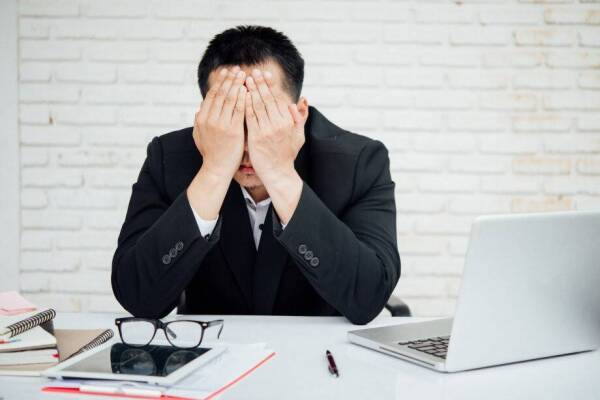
column 256, row 211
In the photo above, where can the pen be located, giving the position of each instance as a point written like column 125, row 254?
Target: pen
column 332, row 367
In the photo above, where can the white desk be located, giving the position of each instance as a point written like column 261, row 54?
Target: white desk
column 299, row 370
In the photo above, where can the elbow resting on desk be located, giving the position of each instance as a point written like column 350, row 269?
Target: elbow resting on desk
column 361, row 313
column 135, row 299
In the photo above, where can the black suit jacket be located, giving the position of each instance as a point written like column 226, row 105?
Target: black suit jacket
column 337, row 255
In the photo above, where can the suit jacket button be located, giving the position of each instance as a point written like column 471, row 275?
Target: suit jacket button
column 302, row 249
column 308, row 255
column 166, row 259
column 314, row 261
column 179, row 246
column 173, row 253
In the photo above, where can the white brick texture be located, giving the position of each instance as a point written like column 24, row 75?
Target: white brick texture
column 485, row 106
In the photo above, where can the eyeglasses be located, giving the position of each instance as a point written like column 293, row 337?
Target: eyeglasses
column 183, row 334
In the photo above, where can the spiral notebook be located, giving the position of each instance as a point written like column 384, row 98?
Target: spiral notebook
column 24, row 332
column 69, row 343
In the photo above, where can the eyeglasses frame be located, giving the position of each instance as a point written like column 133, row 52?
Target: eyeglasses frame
column 158, row 324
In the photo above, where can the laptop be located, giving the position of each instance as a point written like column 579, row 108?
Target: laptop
column 530, row 290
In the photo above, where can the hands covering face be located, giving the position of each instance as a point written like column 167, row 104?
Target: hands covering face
column 275, row 130
column 219, row 124
column 275, row 127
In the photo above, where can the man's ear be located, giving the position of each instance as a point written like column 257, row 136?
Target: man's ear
column 302, row 105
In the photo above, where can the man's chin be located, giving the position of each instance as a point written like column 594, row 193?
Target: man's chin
column 247, row 180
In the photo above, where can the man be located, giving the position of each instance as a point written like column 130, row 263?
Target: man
column 264, row 206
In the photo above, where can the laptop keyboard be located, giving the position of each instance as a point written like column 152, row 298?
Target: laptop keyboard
column 436, row 346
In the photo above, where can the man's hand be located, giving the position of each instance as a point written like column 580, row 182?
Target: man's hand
column 219, row 125
column 275, row 130
column 275, row 135
column 219, row 137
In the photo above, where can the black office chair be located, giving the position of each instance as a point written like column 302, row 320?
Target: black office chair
column 397, row 307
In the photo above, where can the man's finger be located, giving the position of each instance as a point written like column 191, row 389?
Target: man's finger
column 298, row 132
column 197, row 113
column 251, row 119
column 296, row 116
column 217, row 104
column 232, row 96
column 258, row 105
column 212, row 93
column 281, row 103
column 237, row 121
column 266, row 95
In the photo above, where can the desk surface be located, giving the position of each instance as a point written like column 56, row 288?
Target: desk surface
column 299, row 370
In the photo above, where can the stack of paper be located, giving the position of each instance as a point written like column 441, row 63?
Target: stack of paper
column 32, row 347
column 28, row 357
column 236, row 363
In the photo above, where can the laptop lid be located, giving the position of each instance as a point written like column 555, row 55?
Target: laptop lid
column 530, row 289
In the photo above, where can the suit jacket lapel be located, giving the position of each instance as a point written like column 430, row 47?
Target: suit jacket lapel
column 237, row 241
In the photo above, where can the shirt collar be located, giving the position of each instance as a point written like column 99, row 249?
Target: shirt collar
column 250, row 201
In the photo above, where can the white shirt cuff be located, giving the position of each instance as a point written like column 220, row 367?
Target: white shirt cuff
column 206, row 226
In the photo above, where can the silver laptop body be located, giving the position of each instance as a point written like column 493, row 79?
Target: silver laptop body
column 530, row 289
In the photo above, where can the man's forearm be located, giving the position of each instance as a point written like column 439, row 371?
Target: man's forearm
column 152, row 267
column 284, row 188
column 354, row 273
column 206, row 193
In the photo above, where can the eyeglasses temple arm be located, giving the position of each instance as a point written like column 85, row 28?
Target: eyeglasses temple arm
column 215, row 322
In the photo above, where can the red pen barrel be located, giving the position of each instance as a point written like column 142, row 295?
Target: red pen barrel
column 332, row 366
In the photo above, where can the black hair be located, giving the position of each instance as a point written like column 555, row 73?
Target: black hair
column 251, row 45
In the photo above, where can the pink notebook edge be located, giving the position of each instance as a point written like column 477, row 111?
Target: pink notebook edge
column 13, row 303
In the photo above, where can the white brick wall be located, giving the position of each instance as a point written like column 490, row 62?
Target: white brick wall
column 486, row 107
column 9, row 146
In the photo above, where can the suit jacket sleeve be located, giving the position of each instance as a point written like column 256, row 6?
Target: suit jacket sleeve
column 160, row 247
column 357, row 264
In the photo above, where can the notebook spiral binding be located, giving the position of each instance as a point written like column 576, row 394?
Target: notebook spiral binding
column 31, row 322
column 98, row 340
column 101, row 338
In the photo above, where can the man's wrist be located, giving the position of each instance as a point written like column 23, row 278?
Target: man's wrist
column 275, row 177
column 214, row 173
column 206, row 193
column 284, row 188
